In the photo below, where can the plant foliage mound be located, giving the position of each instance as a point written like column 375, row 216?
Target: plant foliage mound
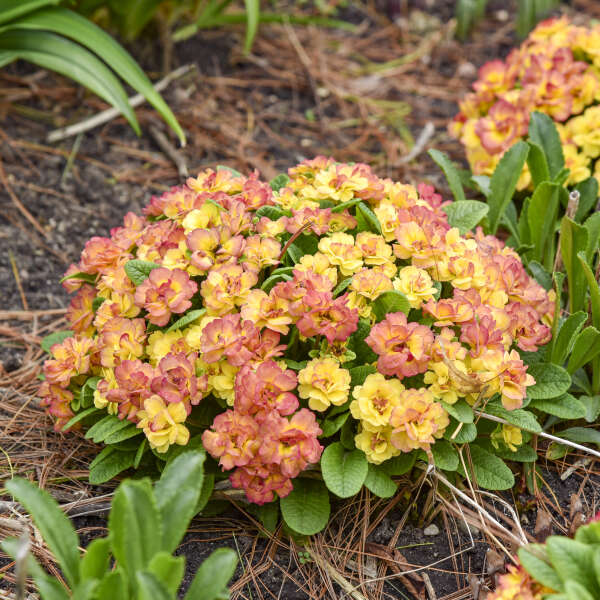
column 555, row 72
column 135, row 560
column 561, row 568
column 328, row 317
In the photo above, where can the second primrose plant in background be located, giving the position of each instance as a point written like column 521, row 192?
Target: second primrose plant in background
column 328, row 319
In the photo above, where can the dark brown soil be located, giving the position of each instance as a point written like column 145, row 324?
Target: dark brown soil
column 266, row 111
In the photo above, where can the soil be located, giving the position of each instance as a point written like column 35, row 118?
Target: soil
column 300, row 93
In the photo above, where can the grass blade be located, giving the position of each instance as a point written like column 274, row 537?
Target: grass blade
column 58, row 54
column 68, row 23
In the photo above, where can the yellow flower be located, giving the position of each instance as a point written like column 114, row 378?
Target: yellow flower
column 162, row 423
column 193, row 333
column 161, row 343
column 415, row 284
column 376, row 444
column 202, row 218
column 341, row 251
column 387, row 214
column 317, row 263
column 324, row 382
column 510, row 435
column 376, row 399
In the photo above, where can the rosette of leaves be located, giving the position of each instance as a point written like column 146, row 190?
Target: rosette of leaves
column 56, row 38
column 135, row 560
column 568, row 568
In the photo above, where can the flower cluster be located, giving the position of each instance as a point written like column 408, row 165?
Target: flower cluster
column 274, row 309
column 556, row 71
column 517, row 584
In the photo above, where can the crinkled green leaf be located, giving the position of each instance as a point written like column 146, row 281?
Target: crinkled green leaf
column 551, row 381
column 452, row 176
column 139, row 270
column 306, row 509
column 55, row 338
column 379, row 482
column 539, row 568
column 343, row 472
column 491, row 472
column 563, row 407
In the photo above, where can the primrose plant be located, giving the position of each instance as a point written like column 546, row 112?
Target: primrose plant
column 135, row 561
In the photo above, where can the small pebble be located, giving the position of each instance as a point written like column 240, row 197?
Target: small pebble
column 432, row 529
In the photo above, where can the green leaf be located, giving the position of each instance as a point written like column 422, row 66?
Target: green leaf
column 592, row 407
column 582, row 435
column 592, row 226
column 541, row 216
column 108, row 425
column 79, row 417
column 563, row 344
column 177, row 492
column 519, row 417
column 332, row 425
column 563, row 407
column 87, row 277
column 139, row 270
column 252, row 21
column 538, row 165
column 50, row 588
column 87, row 391
column 55, row 338
column 538, row 568
column 523, row 454
column 268, row 514
column 343, row 472
column 389, row 302
column 96, row 559
column 379, row 482
column 214, row 574
column 491, row 472
column 594, row 289
column 59, row 54
column 124, row 433
column 482, row 182
column 359, row 374
column 68, row 23
column 573, row 239
column 399, row 465
column 370, row 217
column 55, row 527
column 13, row 9
column 279, row 181
column 113, row 586
column 466, row 214
column 504, row 181
column 588, row 196
column 452, row 176
column 306, row 509
column 445, row 456
column 551, row 381
column 357, row 343
column 575, row 591
column 187, row 319
column 135, row 525
column 168, row 570
column 109, row 463
column 150, row 588
column 572, row 560
column 466, row 434
column 460, row 410
column 543, row 132
column 585, row 349
column 274, row 213
column 208, row 485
